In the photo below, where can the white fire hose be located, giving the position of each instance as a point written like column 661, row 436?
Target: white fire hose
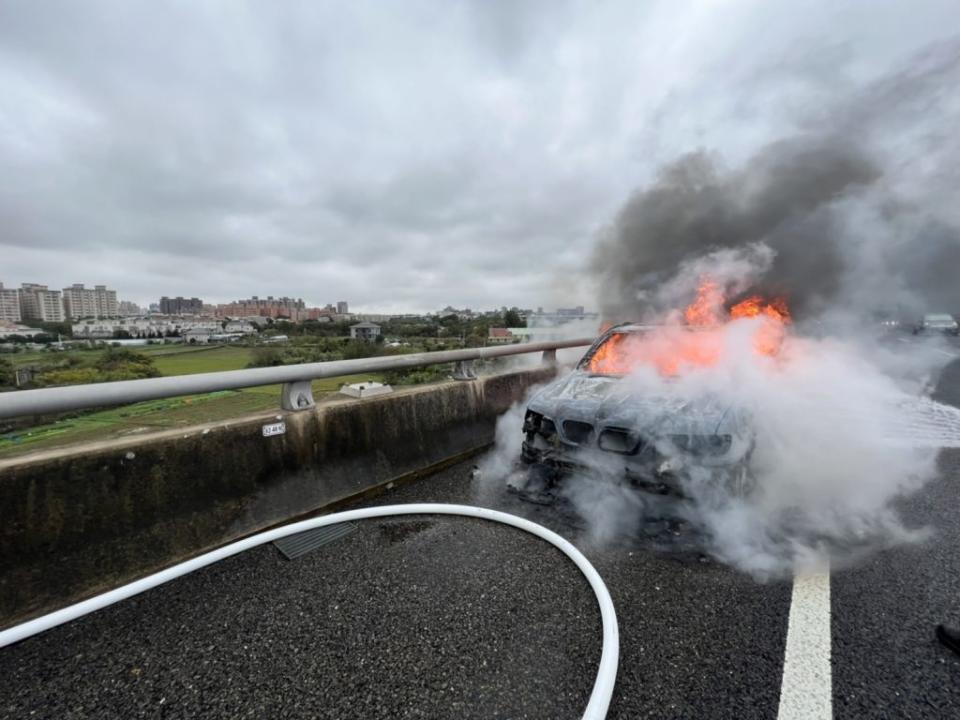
column 609, row 656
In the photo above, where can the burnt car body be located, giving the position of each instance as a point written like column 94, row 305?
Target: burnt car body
column 597, row 423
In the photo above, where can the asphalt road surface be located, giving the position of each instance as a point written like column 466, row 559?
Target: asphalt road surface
column 426, row 617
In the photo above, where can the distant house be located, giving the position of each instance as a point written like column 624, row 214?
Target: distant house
column 11, row 328
column 197, row 335
column 500, row 336
column 240, row 326
column 365, row 331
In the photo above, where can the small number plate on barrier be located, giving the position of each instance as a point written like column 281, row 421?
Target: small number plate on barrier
column 274, row 429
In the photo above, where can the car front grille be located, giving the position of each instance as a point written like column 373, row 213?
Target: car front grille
column 577, row 432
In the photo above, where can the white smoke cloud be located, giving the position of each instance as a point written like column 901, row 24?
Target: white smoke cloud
column 833, row 429
column 822, row 471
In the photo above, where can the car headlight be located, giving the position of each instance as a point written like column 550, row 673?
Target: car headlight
column 531, row 423
column 618, row 440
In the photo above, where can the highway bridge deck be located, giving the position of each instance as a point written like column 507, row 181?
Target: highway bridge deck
column 427, row 617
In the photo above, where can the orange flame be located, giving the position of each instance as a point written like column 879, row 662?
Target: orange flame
column 755, row 305
column 700, row 344
column 707, row 308
column 611, row 358
column 669, row 351
column 769, row 336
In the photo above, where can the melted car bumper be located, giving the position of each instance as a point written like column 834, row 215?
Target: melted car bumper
column 559, row 463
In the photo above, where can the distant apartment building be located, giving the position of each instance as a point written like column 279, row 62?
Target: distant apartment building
column 324, row 314
column 129, row 309
column 180, row 306
column 38, row 302
column 9, row 304
column 83, row 302
column 106, row 301
column 284, row 307
column 342, row 307
column 79, row 302
column 365, row 331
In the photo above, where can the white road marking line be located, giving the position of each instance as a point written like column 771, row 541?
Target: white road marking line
column 807, row 689
column 948, row 354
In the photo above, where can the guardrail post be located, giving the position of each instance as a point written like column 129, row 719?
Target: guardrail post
column 463, row 370
column 297, row 395
column 550, row 357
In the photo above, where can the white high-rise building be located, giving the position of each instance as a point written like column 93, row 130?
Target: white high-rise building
column 96, row 302
column 129, row 309
column 10, row 304
column 38, row 302
column 79, row 302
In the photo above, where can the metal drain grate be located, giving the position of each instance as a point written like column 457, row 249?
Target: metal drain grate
column 293, row 546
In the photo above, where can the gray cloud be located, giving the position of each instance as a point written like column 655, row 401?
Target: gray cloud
column 400, row 155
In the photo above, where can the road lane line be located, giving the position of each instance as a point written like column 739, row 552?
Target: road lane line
column 807, row 689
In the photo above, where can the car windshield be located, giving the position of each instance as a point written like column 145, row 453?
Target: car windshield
column 667, row 350
column 617, row 355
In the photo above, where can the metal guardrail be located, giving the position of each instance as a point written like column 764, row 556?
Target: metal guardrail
column 296, row 379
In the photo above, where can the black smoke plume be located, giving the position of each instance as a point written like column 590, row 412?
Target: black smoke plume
column 843, row 210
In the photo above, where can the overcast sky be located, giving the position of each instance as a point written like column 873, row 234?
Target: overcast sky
column 398, row 155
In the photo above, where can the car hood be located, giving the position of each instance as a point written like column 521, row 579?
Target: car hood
column 603, row 400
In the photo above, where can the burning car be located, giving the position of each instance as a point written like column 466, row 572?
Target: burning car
column 596, row 420
column 588, row 421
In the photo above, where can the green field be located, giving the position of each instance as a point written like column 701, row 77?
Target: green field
column 188, row 361
column 169, row 359
column 158, row 415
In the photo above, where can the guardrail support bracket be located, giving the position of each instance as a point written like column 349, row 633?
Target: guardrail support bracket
column 550, row 357
column 297, row 396
column 463, row 370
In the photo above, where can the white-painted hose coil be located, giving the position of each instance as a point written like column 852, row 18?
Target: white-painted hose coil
column 609, row 656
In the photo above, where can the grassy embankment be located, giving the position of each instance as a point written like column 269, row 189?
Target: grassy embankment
column 157, row 415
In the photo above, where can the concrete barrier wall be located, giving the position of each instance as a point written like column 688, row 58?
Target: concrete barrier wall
column 77, row 522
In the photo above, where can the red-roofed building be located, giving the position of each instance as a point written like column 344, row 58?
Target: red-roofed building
column 500, row 336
